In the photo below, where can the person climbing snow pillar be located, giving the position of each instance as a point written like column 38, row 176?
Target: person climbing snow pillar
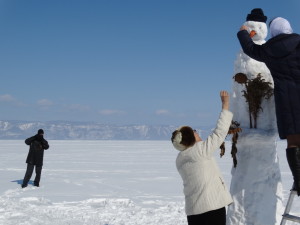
column 281, row 54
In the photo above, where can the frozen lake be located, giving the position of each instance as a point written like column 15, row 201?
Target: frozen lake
column 103, row 183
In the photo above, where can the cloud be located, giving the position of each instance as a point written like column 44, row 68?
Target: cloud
column 11, row 100
column 44, row 102
column 7, row 98
column 162, row 112
column 108, row 112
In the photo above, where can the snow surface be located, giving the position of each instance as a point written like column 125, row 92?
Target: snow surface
column 256, row 185
column 105, row 183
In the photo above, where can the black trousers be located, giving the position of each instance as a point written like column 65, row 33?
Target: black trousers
column 29, row 171
column 214, row 217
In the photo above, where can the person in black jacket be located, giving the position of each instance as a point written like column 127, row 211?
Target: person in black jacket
column 281, row 54
column 35, row 157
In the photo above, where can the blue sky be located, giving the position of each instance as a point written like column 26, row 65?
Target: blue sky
column 122, row 61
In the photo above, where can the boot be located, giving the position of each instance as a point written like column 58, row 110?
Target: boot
column 293, row 158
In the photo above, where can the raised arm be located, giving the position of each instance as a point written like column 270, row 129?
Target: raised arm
column 28, row 141
column 45, row 144
column 219, row 134
column 224, row 99
column 249, row 47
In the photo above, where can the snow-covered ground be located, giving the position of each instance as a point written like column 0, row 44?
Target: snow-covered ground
column 103, row 183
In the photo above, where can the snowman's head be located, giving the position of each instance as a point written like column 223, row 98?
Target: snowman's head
column 256, row 23
column 258, row 30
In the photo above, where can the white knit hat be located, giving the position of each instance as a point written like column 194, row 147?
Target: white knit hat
column 280, row 26
column 176, row 141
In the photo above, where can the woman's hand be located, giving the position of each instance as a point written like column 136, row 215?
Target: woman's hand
column 244, row 27
column 225, row 99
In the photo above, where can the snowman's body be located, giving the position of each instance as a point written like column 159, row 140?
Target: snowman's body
column 256, row 181
column 250, row 67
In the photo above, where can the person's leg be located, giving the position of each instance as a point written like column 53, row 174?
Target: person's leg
column 28, row 175
column 38, row 172
column 293, row 140
column 199, row 219
column 215, row 217
column 293, row 158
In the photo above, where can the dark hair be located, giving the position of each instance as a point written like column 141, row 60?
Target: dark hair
column 173, row 135
column 188, row 138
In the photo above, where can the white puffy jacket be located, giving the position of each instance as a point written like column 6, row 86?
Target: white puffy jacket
column 204, row 187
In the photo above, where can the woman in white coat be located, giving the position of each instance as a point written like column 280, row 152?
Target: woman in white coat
column 206, row 194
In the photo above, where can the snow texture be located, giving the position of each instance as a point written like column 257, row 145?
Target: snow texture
column 256, row 184
column 108, row 183
column 256, row 181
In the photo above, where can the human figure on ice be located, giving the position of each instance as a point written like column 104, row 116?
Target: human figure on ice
column 206, row 194
column 35, row 157
column 281, row 54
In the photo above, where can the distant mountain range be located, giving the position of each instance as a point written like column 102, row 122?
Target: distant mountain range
column 16, row 130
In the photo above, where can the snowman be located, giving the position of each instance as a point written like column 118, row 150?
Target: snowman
column 256, row 185
column 258, row 30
